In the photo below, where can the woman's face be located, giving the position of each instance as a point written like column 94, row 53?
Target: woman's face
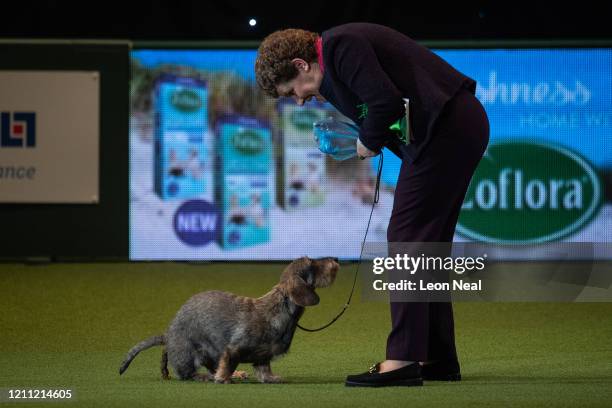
column 305, row 85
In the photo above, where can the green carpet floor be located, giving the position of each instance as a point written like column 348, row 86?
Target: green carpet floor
column 70, row 325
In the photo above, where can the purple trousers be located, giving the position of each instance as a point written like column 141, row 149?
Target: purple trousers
column 426, row 206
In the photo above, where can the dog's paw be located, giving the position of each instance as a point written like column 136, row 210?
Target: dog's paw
column 203, row 377
column 240, row 375
column 223, row 381
column 272, row 379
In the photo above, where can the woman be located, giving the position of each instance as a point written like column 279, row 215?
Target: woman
column 365, row 71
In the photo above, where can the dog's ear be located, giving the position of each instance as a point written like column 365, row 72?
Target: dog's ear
column 301, row 293
column 298, row 290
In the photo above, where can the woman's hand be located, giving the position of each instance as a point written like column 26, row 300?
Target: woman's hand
column 363, row 152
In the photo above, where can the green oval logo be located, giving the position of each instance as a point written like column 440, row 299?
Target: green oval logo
column 186, row 100
column 303, row 119
column 526, row 192
column 248, row 142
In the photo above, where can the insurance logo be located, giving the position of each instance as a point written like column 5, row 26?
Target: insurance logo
column 18, row 129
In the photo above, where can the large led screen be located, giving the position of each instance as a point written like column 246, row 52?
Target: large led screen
column 219, row 171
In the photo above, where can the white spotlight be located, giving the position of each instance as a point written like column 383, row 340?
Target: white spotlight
column 252, row 22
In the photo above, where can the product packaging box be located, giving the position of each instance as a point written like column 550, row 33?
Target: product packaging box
column 301, row 169
column 183, row 154
column 243, row 187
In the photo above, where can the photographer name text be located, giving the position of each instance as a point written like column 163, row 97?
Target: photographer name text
column 421, row 285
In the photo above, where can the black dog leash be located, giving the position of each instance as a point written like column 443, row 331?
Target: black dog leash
column 348, row 302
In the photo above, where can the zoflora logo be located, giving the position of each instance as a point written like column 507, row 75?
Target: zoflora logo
column 195, row 222
column 186, row 100
column 303, row 119
column 525, row 192
column 248, row 142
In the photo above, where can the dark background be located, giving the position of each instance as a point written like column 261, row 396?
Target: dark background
column 228, row 19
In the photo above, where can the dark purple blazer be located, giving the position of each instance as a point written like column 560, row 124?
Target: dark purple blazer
column 369, row 68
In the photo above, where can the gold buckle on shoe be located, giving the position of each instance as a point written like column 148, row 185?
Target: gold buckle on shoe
column 374, row 369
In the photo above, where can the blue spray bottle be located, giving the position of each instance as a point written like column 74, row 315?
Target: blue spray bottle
column 339, row 139
column 336, row 138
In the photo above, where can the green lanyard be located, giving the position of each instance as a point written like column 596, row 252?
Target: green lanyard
column 400, row 127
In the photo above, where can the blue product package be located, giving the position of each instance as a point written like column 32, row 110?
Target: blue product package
column 183, row 155
column 301, row 179
column 243, row 187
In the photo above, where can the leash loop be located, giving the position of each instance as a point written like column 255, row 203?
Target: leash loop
column 348, row 302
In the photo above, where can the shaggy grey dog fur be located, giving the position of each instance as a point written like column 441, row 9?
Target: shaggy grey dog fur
column 219, row 330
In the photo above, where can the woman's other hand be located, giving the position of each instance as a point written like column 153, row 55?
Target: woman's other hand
column 363, row 152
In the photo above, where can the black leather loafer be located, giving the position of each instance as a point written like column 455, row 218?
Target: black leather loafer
column 441, row 371
column 409, row 375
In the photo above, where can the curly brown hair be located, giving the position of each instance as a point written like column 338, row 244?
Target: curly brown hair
column 273, row 65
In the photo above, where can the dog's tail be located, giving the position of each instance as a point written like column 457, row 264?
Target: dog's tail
column 143, row 345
